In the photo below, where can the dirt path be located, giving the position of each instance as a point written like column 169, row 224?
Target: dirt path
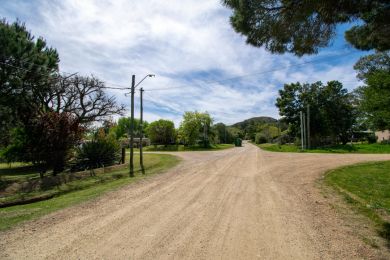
column 240, row 203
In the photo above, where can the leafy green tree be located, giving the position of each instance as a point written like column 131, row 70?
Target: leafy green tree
column 161, row 132
column 193, row 127
column 27, row 68
column 122, row 128
column 269, row 132
column 302, row 27
column 375, row 99
column 223, row 135
column 366, row 65
column 331, row 111
column 235, row 133
column 260, row 138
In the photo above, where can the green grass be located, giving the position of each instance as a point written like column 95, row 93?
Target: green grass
column 182, row 148
column 279, row 148
column 366, row 187
column 355, row 148
column 81, row 190
column 17, row 171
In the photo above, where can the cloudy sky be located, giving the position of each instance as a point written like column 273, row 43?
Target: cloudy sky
column 200, row 63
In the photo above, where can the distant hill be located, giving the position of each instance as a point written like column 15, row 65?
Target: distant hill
column 255, row 120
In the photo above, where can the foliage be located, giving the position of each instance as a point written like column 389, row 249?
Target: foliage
column 122, row 127
column 268, row 131
column 100, row 152
column 375, row 95
column 366, row 65
column 195, row 127
column 376, row 99
column 260, row 138
column 235, row 132
column 332, row 113
column 161, row 132
column 41, row 111
column 255, row 121
column 27, row 68
column 15, row 151
column 302, row 27
column 265, row 126
column 47, row 141
column 222, row 134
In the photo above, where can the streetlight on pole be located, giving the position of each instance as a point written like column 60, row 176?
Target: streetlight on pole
column 133, row 87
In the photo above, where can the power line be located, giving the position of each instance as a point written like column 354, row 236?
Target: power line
column 120, row 87
column 154, row 101
column 281, row 68
column 256, row 73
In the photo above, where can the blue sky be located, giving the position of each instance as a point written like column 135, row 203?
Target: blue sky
column 188, row 44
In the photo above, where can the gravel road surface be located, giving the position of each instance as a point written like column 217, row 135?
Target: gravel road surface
column 240, row 203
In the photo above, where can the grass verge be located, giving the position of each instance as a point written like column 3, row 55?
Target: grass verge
column 356, row 148
column 366, row 187
column 182, row 148
column 81, row 190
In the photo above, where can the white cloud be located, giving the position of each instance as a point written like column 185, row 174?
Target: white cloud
column 185, row 43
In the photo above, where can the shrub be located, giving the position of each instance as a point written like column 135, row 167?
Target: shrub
column 46, row 141
column 284, row 139
column 99, row 152
column 371, row 139
column 260, row 138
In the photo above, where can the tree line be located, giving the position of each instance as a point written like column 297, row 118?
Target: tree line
column 195, row 129
column 336, row 115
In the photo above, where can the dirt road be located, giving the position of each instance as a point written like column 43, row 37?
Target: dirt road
column 241, row 203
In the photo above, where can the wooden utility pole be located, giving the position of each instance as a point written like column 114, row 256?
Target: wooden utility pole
column 308, row 126
column 132, row 128
column 301, row 115
column 141, row 159
column 205, row 134
column 304, row 130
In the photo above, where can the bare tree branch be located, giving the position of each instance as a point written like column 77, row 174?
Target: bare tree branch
column 84, row 97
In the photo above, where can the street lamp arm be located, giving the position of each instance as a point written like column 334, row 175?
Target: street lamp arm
column 149, row 75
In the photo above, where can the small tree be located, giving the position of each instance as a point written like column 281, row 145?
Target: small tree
column 47, row 142
column 161, row 132
column 123, row 127
column 195, row 127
